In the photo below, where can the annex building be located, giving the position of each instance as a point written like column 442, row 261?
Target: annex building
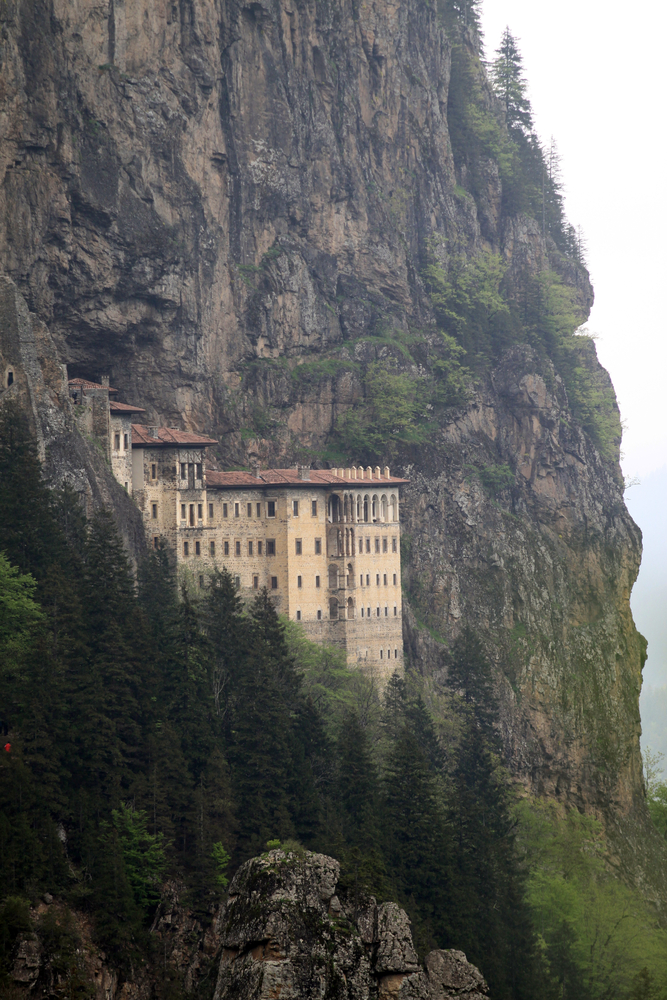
column 325, row 543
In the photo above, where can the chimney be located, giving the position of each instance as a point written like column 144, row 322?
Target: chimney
column 369, row 472
column 255, row 471
column 304, row 472
column 153, row 431
column 377, row 472
column 105, row 380
column 386, row 472
column 348, row 473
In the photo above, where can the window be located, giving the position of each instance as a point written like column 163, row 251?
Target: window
column 274, row 583
column 395, row 611
column 381, row 651
column 319, row 613
column 125, row 442
column 270, row 508
column 237, row 548
column 210, row 512
column 317, row 581
column 297, row 544
column 313, row 508
column 10, row 379
column 225, row 510
column 298, row 582
column 298, row 616
column 361, row 545
column 236, row 510
column 226, row 548
column 153, row 471
column 154, row 511
column 270, row 546
column 200, row 511
column 377, row 544
column 368, row 612
column 361, row 579
column 386, row 611
column 393, row 545
column 184, row 474
column 186, row 549
column 255, row 583
column 249, row 510
column 377, row 579
column 259, row 548
column 368, row 579
column 333, row 608
column 127, row 486
column 249, row 548
column 384, row 579
column 395, row 580
column 295, row 508
column 237, row 582
column 182, row 512
column 362, row 612
column 259, row 510
column 395, row 654
column 197, row 548
column 212, row 548
column 156, row 542
column 192, row 514
column 368, row 545
column 377, row 612
column 318, row 546
column 201, row 581
column 198, row 476
column 384, row 544
column 116, row 442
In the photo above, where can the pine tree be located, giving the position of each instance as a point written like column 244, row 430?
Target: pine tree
column 510, row 85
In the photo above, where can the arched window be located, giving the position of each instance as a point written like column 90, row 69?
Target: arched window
column 10, row 378
column 366, row 508
column 350, row 575
column 350, row 608
column 333, row 578
column 333, row 608
column 393, row 508
column 358, row 508
column 383, row 507
column 375, row 508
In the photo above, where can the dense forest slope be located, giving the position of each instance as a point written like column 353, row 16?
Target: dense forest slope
column 314, row 231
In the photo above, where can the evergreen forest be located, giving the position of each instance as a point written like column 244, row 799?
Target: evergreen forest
column 151, row 737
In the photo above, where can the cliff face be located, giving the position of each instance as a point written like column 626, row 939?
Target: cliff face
column 199, row 195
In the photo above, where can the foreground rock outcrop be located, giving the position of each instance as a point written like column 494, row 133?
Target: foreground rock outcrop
column 286, row 932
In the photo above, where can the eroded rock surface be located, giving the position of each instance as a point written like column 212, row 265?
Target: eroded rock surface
column 286, row 933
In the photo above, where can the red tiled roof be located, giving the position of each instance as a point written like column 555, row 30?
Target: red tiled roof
column 115, row 407
column 167, row 438
column 290, row 477
column 83, row 383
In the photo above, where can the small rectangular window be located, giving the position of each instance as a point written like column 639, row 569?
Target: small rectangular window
column 197, row 548
column 361, row 545
column 386, row 611
column 182, row 512
column 199, row 476
column 395, row 654
column 362, row 612
column 237, row 548
column 395, row 612
column 270, row 508
column 361, row 579
column 298, row 616
column 274, row 583
column 156, row 542
column 377, row 544
column 319, row 615
column 317, row 581
column 237, row 582
column 368, row 612
column 226, row 548
column 116, row 442
column 270, row 546
column 384, row 579
column 368, row 579
column 200, row 511
column 210, row 512
column 377, row 579
column 381, row 651
column 368, row 545
column 192, row 514
column 255, row 583
column 295, row 508
column 395, row 578
column 236, row 510
column 393, row 545
column 297, row 544
column 384, row 544
column 212, row 548
column 154, row 511
column 127, row 486
column 313, row 508
column 184, row 474
column 249, row 509
column 249, row 548
column 318, row 546
column 153, row 471
column 225, row 510
column 259, row 510
column 259, row 548
column 126, row 442
column 186, row 549
column 377, row 612
column 298, row 582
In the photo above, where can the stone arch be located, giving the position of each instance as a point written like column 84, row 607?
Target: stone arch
column 333, row 609
column 333, row 577
column 350, row 608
